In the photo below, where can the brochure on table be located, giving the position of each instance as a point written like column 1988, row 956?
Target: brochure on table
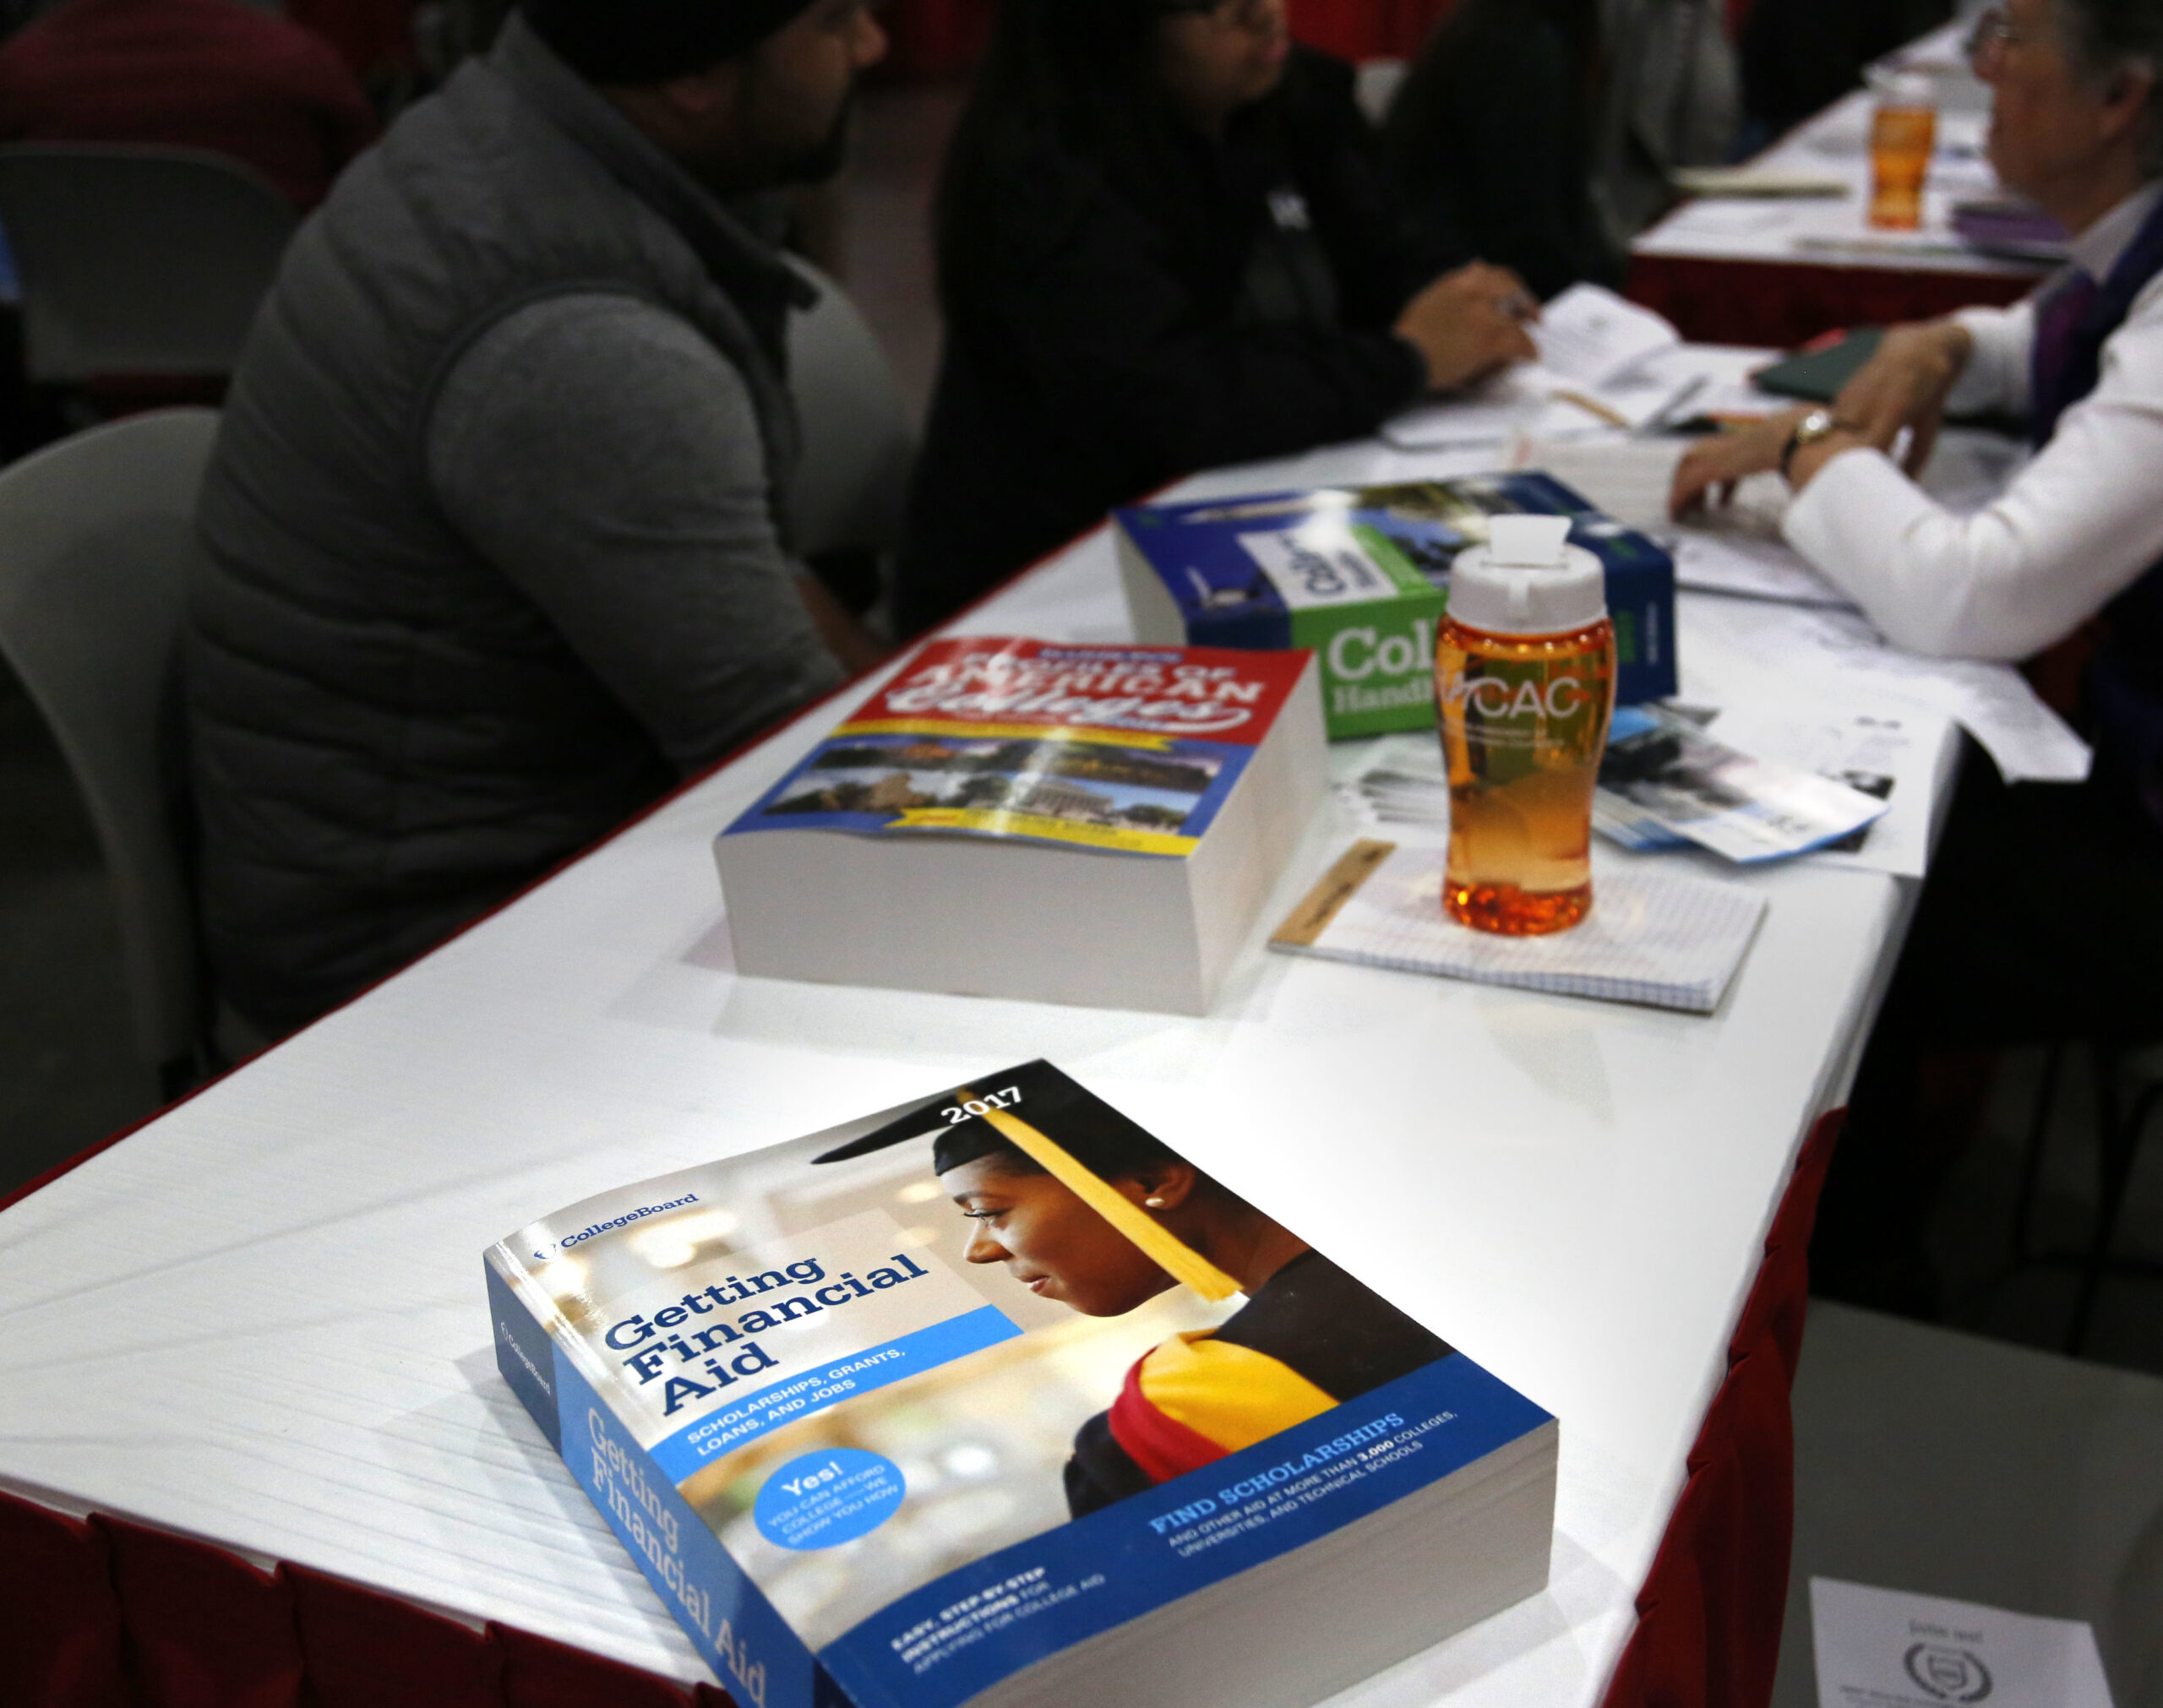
column 850, row 1450
column 1664, row 782
column 1398, row 789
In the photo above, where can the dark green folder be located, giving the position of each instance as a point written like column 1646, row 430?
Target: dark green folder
column 1815, row 376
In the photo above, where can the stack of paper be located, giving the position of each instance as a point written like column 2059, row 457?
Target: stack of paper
column 1735, row 549
column 1660, row 937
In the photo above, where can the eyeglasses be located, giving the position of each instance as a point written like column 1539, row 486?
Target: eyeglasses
column 1995, row 32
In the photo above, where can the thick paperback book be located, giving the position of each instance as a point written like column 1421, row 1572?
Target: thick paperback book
column 995, row 1399
column 1361, row 573
column 1157, row 792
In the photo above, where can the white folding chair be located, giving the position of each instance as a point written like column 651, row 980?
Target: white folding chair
column 97, row 535
column 137, row 260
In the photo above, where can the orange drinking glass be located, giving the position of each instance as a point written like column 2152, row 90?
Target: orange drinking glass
column 1902, row 132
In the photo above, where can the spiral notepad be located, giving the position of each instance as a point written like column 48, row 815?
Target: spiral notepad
column 1657, row 937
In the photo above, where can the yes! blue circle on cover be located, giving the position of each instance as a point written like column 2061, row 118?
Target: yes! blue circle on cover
column 824, row 1499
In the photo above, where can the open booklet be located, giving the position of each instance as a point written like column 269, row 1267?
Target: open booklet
column 1593, row 345
column 996, row 1398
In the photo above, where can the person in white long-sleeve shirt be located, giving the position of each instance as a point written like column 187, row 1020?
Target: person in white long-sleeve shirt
column 2042, row 918
column 2074, row 126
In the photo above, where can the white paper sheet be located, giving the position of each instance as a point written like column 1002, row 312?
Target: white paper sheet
column 1589, row 337
column 1528, row 399
column 1886, row 1649
column 1745, row 563
column 1836, row 657
column 1737, row 549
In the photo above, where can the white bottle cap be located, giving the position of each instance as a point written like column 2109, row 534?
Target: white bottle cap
column 1527, row 580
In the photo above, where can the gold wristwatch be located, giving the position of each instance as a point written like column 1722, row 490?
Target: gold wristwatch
column 1812, row 427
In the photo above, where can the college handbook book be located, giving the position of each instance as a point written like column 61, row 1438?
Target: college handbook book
column 1361, row 575
column 1043, row 822
column 995, row 1399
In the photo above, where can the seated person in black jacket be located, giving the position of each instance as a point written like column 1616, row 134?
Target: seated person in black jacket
column 1162, row 245
column 1489, row 141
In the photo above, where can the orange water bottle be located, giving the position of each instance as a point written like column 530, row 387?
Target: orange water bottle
column 1524, row 680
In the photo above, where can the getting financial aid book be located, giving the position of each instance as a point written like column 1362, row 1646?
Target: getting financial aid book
column 1360, row 574
column 1049, row 823
column 994, row 1398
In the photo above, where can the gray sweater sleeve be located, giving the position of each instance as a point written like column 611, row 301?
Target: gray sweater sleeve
column 604, row 456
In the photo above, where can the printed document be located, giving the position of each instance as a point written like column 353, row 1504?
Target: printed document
column 1592, row 344
column 1885, row 1649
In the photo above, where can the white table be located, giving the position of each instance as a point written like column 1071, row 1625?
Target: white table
column 260, row 1320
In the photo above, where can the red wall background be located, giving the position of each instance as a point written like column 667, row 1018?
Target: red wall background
column 942, row 38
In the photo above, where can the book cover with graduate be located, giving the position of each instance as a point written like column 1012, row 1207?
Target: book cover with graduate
column 995, row 1398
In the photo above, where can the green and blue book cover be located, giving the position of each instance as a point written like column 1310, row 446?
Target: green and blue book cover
column 1360, row 576
column 894, row 1413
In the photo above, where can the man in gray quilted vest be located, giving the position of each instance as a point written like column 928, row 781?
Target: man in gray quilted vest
column 497, row 550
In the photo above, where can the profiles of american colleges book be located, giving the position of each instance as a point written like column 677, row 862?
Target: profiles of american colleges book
column 1128, row 749
column 1158, row 792
column 996, row 1398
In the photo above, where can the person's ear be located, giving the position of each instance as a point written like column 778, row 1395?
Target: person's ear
column 1165, row 1186
column 703, row 94
column 2125, row 99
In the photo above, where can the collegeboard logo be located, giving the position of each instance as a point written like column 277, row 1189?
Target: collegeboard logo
column 593, row 1230
column 1951, row 1675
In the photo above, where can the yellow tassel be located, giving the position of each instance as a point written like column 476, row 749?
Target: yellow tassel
column 1177, row 1259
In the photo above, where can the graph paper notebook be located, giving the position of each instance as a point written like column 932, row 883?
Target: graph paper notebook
column 1658, row 938
column 954, row 1404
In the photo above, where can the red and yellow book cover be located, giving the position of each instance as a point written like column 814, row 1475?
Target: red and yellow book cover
column 1130, row 749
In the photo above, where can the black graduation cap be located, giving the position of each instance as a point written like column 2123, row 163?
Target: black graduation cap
column 1074, row 1136
column 1088, row 1128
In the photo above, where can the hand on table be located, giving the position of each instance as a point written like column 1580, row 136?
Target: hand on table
column 1712, row 467
column 1469, row 323
column 1904, row 384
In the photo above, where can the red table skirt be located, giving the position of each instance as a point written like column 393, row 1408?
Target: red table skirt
column 1710, row 1613
column 107, row 1614
column 1782, row 304
column 104, row 1614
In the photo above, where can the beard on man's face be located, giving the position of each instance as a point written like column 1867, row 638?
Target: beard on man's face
column 820, row 161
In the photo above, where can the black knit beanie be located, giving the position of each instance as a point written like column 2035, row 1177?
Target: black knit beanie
column 637, row 42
